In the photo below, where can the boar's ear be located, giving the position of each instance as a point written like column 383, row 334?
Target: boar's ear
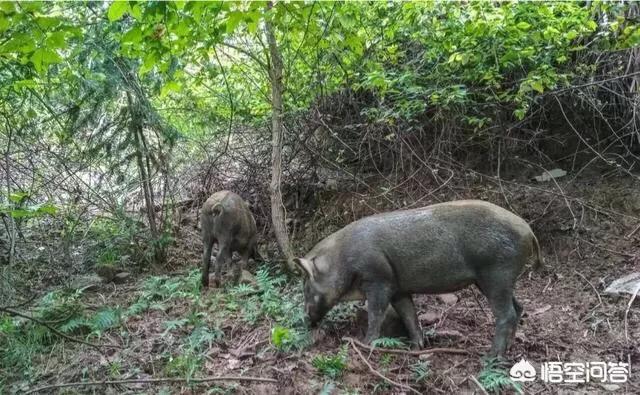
column 306, row 266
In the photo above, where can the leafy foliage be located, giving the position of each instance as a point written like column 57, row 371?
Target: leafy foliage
column 273, row 301
column 388, row 342
column 332, row 366
column 421, row 371
column 495, row 378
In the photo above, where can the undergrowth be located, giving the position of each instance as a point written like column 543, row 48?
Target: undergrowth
column 273, row 298
column 494, row 377
column 331, row 366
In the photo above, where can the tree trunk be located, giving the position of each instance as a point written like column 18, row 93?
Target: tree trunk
column 135, row 128
column 277, row 207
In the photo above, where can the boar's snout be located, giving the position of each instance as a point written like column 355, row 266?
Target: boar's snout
column 314, row 313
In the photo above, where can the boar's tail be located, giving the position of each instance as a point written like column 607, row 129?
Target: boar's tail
column 538, row 262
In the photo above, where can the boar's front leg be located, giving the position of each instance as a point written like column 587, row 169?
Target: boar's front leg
column 403, row 304
column 378, row 298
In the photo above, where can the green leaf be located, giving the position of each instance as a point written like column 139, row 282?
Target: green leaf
column 20, row 213
column 182, row 28
column 136, row 12
column 171, row 86
column 523, row 26
column 7, row 7
column 233, row 19
column 571, row 35
column 43, row 57
column 117, row 9
column 179, row 5
column 280, row 335
column 25, row 84
column 20, row 42
column 47, row 209
column 149, row 62
column 4, row 23
column 18, row 197
column 56, row 40
column 48, row 22
column 538, row 86
column 132, row 36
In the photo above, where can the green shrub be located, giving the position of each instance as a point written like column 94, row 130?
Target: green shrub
column 332, row 366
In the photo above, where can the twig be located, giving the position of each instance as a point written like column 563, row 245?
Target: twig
column 151, row 381
column 592, row 287
column 591, row 83
column 484, row 391
column 504, row 195
column 388, row 380
column 564, row 196
column 608, row 250
column 626, row 312
column 57, row 332
column 633, row 232
column 407, row 352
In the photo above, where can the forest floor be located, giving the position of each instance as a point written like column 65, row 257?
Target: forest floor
column 253, row 334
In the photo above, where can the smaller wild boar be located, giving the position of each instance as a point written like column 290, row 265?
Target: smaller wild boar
column 441, row 248
column 225, row 218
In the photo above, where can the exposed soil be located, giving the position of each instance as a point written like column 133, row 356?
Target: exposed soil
column 567, row 318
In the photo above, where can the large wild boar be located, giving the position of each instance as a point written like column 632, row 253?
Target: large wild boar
column 445, row 247
column 227, row 220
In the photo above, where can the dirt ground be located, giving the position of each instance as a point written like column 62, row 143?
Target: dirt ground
column 568, row 318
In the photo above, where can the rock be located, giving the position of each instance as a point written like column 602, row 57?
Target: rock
column 551, row 174
column 429, row 317
column 121, row 277
column 86, row 282
column 247, row 278
column 448, row 299
column 627, row 284
column 610, row 387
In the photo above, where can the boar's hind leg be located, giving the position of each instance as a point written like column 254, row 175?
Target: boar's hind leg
column 506, row 317
column 206, row 259
column 407, row 312
column 378, row 298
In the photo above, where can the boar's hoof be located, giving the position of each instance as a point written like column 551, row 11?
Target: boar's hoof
column 417, row 346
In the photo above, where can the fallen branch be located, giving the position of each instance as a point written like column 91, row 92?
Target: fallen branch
column 407, row 352
column 57, row 332
column 385, row 378
column 626, row 312
column 153, row 381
